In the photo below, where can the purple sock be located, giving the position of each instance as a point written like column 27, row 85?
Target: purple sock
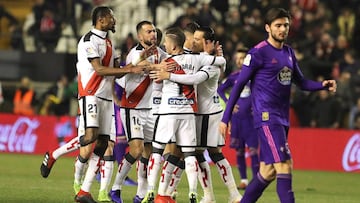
column 255, row 164
column 254, row 190
column 284, row 188
column 119, row 151
column 241, row 164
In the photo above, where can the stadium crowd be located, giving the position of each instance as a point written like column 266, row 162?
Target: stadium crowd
column 324, row 33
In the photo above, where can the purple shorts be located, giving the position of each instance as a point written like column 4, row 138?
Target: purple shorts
column 243, row 132
column 274, row 147
column 118, row 125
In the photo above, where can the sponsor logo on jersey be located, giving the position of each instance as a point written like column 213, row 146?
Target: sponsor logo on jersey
column 157, row 100
column 216, row 99
column 180, row 101
column 284, row 76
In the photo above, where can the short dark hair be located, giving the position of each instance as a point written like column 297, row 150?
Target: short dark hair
column 139, row 25
column 209, row 33
column 276, row 13
column 242, row 50
column 177, row 35
column 99, row 12
column 159, row 35
column 191, row 27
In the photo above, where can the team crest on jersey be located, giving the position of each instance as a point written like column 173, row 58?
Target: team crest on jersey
column 284, row 76
column 90, row 51
column 247, row 60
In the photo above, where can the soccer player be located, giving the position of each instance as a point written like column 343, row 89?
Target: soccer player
column 176, row 115
column 272, row 66
column 242, row 128
column 208, row 117
column 96, row 59
column 136, row 104
column 171, row 148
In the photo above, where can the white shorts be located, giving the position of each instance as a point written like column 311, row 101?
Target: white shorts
column 96, row 112
column 207, row 130
column 138, row 124
column 183, row 130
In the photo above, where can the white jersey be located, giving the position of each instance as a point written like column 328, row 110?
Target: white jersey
column 94, row 44
column 208, row 98
column 138, row 88
column 180, row 99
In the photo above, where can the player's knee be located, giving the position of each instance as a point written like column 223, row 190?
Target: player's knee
column 101, row 145
column 216, row 157
column 269, row 174
column 136, row 149
column 87, row 139
column 158, row 150
column 200, row 158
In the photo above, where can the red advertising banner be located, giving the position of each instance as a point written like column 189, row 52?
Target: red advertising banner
column 311, row 148
column 36, row 134
column 320, row 149
column 325, row 149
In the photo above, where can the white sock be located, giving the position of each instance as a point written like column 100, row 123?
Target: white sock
column 191, row 167
column 142, row 177
column 79, row 171
column 165, row 177
column 175, row 180
column 153, row 170
column 106, row 172
column 227, row 177
column 70, row 146
column 94, row 163
column 246, row 181
column 204, row 176
column 123, row 170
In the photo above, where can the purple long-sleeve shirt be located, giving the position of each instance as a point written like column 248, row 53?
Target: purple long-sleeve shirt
column 271, row 72
column 244, row 100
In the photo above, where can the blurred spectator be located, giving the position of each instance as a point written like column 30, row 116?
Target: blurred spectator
column 1, row 94
column 14, row 29
column 346, row 23
column 205, row 14
column 190, row 15
column 354, row 112
column 56, row 100
column 357, row 121
column 326, row 112
column 222, row 7
column 46, row 29
column 344, row 97
column 339, row 50
column 127, row 45
column 24, row 98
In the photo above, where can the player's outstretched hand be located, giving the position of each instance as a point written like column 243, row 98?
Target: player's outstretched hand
column 148, row 52
column 165, row 65
column 223, row 127
column 330, row 84
column 159, row 75
column 218, row 49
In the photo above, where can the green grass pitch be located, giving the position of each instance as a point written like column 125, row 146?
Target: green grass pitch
column 20, row 181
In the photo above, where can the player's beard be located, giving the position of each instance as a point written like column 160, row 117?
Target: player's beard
column 112, row 29
column 277, row 39
column 149, row 42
